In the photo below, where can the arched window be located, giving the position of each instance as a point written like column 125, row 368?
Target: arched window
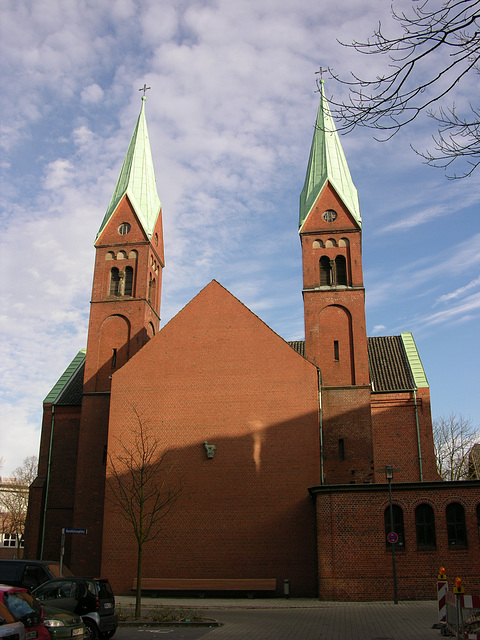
column 456, row 526
column 425, row 526
column 398, row 527
column 114, row 282
column 325, row 271
column 340, row 270
column 128, row 291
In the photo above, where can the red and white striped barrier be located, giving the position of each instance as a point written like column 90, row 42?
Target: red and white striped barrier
column 442, row 588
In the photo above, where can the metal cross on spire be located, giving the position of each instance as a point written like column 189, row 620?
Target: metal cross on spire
column 321, row 71
column 144, row 89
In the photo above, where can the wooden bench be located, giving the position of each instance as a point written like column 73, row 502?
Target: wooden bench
column 208, row 584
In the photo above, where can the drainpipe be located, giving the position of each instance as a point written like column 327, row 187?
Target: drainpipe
column 44, row 523
column 319, row 383
column 420, row 464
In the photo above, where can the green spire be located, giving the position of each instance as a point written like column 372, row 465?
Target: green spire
column 327, row 162
column 137, row 179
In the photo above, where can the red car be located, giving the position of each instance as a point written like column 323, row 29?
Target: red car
column 26, row 609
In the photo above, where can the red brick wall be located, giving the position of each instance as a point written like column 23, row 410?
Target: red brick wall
column 217, row 373
column 354, row 563
column 90, row 485
column 396, row 438
column 346, row 416
column 61, row 488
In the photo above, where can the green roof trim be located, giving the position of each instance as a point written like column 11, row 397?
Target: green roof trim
column 414, row 361
column 137, row 180
column 66, row 376
column 327, row 162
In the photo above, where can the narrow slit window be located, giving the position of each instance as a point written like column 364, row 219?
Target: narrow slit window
column 341, row 449
column 336, row 351
column 114, row 359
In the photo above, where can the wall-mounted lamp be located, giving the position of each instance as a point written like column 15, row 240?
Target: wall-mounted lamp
column 210, row 449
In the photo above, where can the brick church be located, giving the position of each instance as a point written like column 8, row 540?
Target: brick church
column 280, row 447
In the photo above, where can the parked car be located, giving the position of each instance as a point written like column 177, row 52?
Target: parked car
column 91, row 598
column 10, row 629
column 24, row 608
column 30, row 573
column 62, row 624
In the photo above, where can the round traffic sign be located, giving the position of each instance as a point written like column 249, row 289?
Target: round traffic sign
column 392, row 537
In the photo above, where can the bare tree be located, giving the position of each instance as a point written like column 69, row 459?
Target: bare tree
column 14, row 497
column 454, row 437
column 438, row 49
column 144, row 488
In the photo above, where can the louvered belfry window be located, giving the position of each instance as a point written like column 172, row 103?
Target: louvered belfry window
column 128, row 281
column 114, row 282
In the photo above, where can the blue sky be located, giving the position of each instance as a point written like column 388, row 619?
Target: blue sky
column 230, row 113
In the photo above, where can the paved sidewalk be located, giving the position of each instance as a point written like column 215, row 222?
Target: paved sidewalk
column 305, row 619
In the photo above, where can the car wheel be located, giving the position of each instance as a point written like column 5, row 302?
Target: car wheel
column 91, row 630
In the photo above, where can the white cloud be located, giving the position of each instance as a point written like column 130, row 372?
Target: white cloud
column 378, row 328
column 92, row 94
column 453, row 295
column 58, row 173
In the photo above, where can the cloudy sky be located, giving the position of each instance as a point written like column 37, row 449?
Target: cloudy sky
column 230, row 114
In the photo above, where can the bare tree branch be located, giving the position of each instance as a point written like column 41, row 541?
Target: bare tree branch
column 14, row 497
column 143, row 486
column 454, row 437
column 437, row 50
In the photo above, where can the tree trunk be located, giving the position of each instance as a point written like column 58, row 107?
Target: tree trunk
column 138, row 594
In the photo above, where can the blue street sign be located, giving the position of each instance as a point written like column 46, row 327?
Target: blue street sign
column 83, row 531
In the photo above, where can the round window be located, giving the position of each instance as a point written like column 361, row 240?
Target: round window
column 329, row 215
column 124, row 228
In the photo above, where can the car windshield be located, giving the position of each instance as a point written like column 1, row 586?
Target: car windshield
column 21, row 604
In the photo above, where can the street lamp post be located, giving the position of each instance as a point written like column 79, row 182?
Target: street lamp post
column 392, row 536
column 389, row 476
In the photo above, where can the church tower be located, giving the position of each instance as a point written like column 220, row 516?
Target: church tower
column 124, row 315
column 334, row 299
column 125, row 305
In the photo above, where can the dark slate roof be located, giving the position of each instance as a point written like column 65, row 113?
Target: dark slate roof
column 389, row 365
column 299, row 346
